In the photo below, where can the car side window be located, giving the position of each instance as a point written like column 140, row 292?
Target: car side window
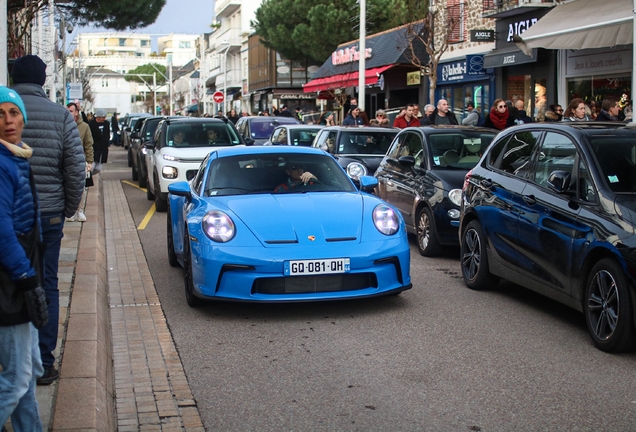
column 586, row 191
column 395, row 150
column 512, row 153
column 557, row 152
column 275, row 135
column 282, row 136
column 157, row 136
column 197, row 182
column 330, row 141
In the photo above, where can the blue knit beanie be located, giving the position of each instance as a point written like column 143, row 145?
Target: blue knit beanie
column 10, row 95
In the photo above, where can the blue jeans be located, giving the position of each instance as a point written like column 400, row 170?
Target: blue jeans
column 52, row 233
column 21, row 366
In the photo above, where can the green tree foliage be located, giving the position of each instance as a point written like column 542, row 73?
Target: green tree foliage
column 114, row 14
column 146, row 72
column 301, row 30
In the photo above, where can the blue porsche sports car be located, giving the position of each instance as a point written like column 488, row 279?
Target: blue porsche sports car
column 283, row 224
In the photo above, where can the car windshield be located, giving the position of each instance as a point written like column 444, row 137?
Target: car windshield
column 616, row 155
column 261, row 128
column 362, row 141
column 275, row 174
column 304, row 137
column 458, row 149
column 200, row 134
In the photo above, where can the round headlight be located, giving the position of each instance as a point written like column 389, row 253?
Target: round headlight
column 385, row 219
column 455, row 196
column 355, row 170
column 218, row 226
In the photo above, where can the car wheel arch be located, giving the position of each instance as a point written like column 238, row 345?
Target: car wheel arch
column 593, row 257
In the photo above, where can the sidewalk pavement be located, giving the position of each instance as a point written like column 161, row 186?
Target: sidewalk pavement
column 119, row 368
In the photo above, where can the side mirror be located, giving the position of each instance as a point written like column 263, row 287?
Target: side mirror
column 249, row 141
column 150, row 145
column 407, row 161
column 134, row 135
column 127, row 129
column 559, row 181
column 368, row 183
column 181, row 188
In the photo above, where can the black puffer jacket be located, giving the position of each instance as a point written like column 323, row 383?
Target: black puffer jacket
column 58, row 162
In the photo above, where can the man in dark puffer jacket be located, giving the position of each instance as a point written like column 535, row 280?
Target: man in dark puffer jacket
column 59, row 168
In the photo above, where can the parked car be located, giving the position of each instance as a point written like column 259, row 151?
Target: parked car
column 552, row 207
column 134, row 140
column 177, row 149
column 422, row 175
column 294, row 135
column 358, row 150
column 257, row 129
column 238, row 239
column 138, row 150
column 129, row 122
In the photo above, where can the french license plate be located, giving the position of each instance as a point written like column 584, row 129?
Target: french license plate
column 317, row 266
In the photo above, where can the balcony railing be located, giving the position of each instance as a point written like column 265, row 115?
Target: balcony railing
column 504, row 8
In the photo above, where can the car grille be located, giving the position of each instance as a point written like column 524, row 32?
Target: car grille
column 314, row 284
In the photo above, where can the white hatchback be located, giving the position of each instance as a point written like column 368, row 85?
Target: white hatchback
column 178, row 148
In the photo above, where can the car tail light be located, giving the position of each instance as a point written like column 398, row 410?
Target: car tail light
column 469, row 174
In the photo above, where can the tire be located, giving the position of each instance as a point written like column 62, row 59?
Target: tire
column 474, row 259
column 130, row 163
column 161, row 205
column 427, row 241
column 172, row 256
column 608, row 308
column 135, row 174
column 192, row 300
column 149, row 195
column 143, row 180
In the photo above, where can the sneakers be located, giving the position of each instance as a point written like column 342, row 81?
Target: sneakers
column 80, row 216
column 50, row 375
column 71, row 219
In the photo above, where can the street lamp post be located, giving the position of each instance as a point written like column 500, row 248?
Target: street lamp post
column 227, row 49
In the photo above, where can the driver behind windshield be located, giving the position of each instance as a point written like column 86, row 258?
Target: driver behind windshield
column 297, row 177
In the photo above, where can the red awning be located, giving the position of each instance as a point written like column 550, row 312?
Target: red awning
column 344, row 80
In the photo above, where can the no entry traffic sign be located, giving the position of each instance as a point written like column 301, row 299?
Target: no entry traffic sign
column 218, row 97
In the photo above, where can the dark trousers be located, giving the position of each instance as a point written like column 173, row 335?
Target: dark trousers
column 52, row 233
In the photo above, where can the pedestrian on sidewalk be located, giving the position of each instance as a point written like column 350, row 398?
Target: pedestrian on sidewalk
column 100, row 129
column 20, row 360
column 87, row 143
column 59, row 169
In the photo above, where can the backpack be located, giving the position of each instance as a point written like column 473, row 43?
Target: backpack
column 481, row 121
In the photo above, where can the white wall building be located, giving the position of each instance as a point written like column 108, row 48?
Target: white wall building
column 181, row 46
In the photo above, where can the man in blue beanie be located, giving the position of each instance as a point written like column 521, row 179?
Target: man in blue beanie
column 59, row 169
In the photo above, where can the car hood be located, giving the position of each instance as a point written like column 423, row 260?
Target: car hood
column 325, row 216
column 189, row 154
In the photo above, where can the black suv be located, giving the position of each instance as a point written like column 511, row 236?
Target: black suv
column 552, row 207
column 138, row 150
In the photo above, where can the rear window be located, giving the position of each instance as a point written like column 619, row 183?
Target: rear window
column 365, row 142
column 458, row 149
column 263, row 128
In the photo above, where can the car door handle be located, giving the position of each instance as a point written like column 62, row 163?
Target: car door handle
column 530, row 199
column 486, row 183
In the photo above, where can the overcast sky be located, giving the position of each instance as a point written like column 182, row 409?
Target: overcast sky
column 177, row 16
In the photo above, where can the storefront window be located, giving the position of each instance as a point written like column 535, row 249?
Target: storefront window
column 459, row 96
column 598, row 88
column 283, row 71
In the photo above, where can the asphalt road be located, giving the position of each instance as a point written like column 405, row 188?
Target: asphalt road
column 438, row 357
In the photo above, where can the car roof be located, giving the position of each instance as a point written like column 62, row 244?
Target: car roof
column 587, row 128
column 302, row 126
column 362, row 129
column 280, row 119
column 181, row 120
column 451, row 128
column 265, row 150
